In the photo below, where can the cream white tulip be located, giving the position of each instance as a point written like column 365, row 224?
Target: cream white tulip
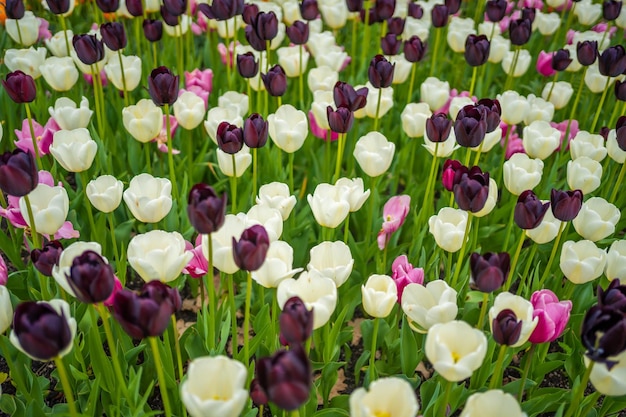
column 428, row 305
column 105, row 193
column 320, row 42
column 561, row 93
column 180, row 29
column 595, row 81
column 499, row 48
column 393, row 397
column 50, row 206
column 277, row 267
column 334, row 13
column 613, row 150
column 329, row 204
column 288, row 128
column 224, row 399
column 492, row 403
column 321, row 100
column 540, row 109
column 239, row 101
column 584, row 174
column 289, row 58
column 276, row 195
column 69, row 116
column 444, row 149
column 268, row 217
column 417, row 27
column 322, row 78
column 547, row 229
column 132, row 72
column 586, row 144
column 28, row 32
column 523, row 62
column 514, row 107
column 616, row 261
column 458, row 31
column 488, row 28
column 587, row 12
column 356, row 193
column 158, row 255
column 61, row 270
column 379, row 295
column 232, row 25
column 540, row 139
column 74, row 149
column 456, row 104
column 60, row 73
column 434, row 92
column 546, row 23
column 217, row 115
column 57, row 45
column 491, row 140
column 26, row 60
column 374, row 153
column 492, row 199
column 455, row 349
column 522, row 173
column 143, row 120
column 333, row 57
column 597, row 219
column 386, row 102
column 448, row 228
column 243, row 159
column 291, row 11
column 333, row 260
column 609, row 381
column 6, row 309
column 402, row 68
column 189, row 110
column 222, row 242
column 414, row 118
column 149, row 199
column 582, row 261
column 316, row 291
column 523, row 310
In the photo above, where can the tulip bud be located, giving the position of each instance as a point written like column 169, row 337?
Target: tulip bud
column 222, row 9
column 506, row 328
column 152, row 29
column 439, row 15
column 496, row 9
column 91, row 278
column 298, row 33
column 14, row 9
column 18, row 173
column 476, row 50
column 135, row 8
column 345, row 96
column 58, row 7
column 380, row 72
column 206, row 211
column 309, row 9
column 489, row 271
column 613, row 297
column 108, row 6
column 396, row 25
column 169, row 18
column 380, row 294
column 472, row 190
column 113, row 35
column 452, row 171
column 611, row 9
column 553, row 316
column 163, row 86
column 296, row 322
column 492, row 111
column 586, row 52
column 250, row 250
column 529, row 210
column 470, row 126
column 46, row 258
column 561, row 60
column 340, row 120
column 257, row 393
column 175, row 7
column 20, row 87
column 566, row 204
column 438, row 127
column 265, row 26
column 255, row 131
column 603, row 333
column 414, row 49
column 520, row 31
column 612, row 61
column 88, row 48
column 390, row 44
column 229, row 138
column 275, row 81
column 247, row 65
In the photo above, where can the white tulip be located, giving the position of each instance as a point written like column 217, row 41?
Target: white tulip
column 597, row 219
column 595, row 81
column 379, row 295
column 402, row 68
column 333, row 260
column 499, row 48
column 158, row 255
column 143, row 120
column 68, row 116
column 268, row 217
column 523, row 310
column 57, row 45
column 614, row 151
column 6, row 309
column 492, row 403
column 50, row 206
column 374, row 153
column 149, row 199
column 458, row 31
column 584, row 174
column 586, row 144
column 445, row 148
column 540, row 139
column 616, row 261
column 540, row 109
column 386, row 397
column 523, row 62
column 448, row 228
column 514, row 107
column 277, row 267
column 414, row 118
column 522, row 173
column 547, row 229
column 428, row 305
column 386, row 102
column 239, row 101
column 26, row 60
column 28, row 32
column 329, row 204
column 291, row 11
column 243, row 159
column 321, row 100
column 276, row 195
column 318, row 293
column 322, row 78
column 217, row 115
column 587, row 12
column 61, row 270
column 132, row 72
column 180, row 29
column 356, row 193
column 434, row 92
column 561, row 93
column 582, row 261
column 189, row 110
column 105, row 193
column 222, row 242
column 288, row 128
column 60, row 73
column 546, row 23
column 292, row 62
column 334, row 13
column 74, row 149
column 457, row 103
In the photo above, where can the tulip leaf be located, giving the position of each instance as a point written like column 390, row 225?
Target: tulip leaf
column 77, row 374
column 409, row 354
column 545, row 400
column 8, row 404
column 359, row 364
column 331, row 412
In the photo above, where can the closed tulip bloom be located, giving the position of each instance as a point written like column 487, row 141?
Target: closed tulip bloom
column 43, row 330
column 288, row 128
column 529, row 210
column 597, row 219
column 495, row 10
column 448, row 228
column 414, row 49
column 189, row 110
column 333, row 260
column 318, row 292
column 158, row 255
column 553, row 316
column 229, row 138
column 18, row 173
column 380, row 72
column 153, row 29
column 206, row 211
column 547, row 230
column 105, row 193
column 6, row 312
column 59, row 7
column 385, row 397
column 61, row 269
column 217, row 115
column 506, row 328
column 403, row 274
column 26, row 60
column 309, row 9
column 108, row 6
column 379, row 295
column 470, row 126
column 489, row 271
column 144, row 120
column 69, row 116
column 275, row 81
column 540, row 109
column 247, row 65
column 476, row 50
column 250, row 250
column 89, row 49
column 276, row 195
column 472, row 190
column 47, row 257
column 340, row 120
column 296, row 322
column 438, row 127
column 277, row 267
column 14, row 9
column 91, row 278
column 345, row 95
column 603, row 333
column 163, row 86
column 298, row 32
column 523, row 311
column 20, row 87
column 28, row 29
column 514, row 107
column 522, row 173
column 374, row 153
column 589, row 145
column 491, row 404
column 584, row 174
column 582, row 261
column 540, row 139
column 60, row 73
column 616, row 261
column 587, row 52
column 49, row 205
column 523, row 63
column 329, row 204
column 613, row 147
column 561, row 93
column 439, row 15
column 132, row 72
column 356, row 193
column 149, row 199
column 390, row 44
column 243, row 159
column 414, row 118
column 520, row 31
column 113, row 35
column 612, row 61
column 565, row 204
column 426, row 306
column 74, row 149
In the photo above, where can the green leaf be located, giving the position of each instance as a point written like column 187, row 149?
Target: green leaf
column 409, row 357
column 331, row 412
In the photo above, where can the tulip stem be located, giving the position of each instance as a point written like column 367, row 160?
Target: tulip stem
column 67, row 388
column 290, row 165
column 246, row 320
column 340, row 144
column 411, row 84
column 483, row 311
column 234, row 341
column 179, row 358
column 459, row 265
column 33, row 228
column 510, row 74
column 376, row 119
column 353, row 48
column 170, row 155
column 33, row 137
column 64, row 27
column 365, row 46
column 92, row 223
column 581, row 391
column 509, row 281
column 496, row 377
column 211, row 289
column 19, row 31
column 428, row 204
column 565, row 141
column 160, row 375
column 599, row 108
column 529, row 262
column 301, row 79
column 620, row 178
column 555, row 247
column 473, row 82
column 118, row 267
column 620, row 108
column 346, row 229
column 228, row 57
column 528, row 358
column 370, row 211
column 119, row 56
column 146, row 150
column 443, row 407
column 480, row 5
column 233, row 184
column 433, row 65
column 254, row 173
column 372, row 367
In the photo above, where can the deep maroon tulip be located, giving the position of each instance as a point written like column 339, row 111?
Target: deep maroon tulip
column 492, row 111
column 453, row 6
column 148, row 313
column 613, row 297
column 250, row 10
column 603, row 333
column 415, row 11
column 286, row 377
column 472, row 190
column 42, row 332
column 91, row 278
column 18, row 173
column 566, row 204
column 175, row 7
column 620, row 90
column 496, row 9
column 298, row 33
column 153, row 29
column 206, row 211
column 529, row 13
column 257, row 393
column 438, row 127
column 390, row 44
column 385, row 9
column 113, row 35
column 620, row 132
column 561, row 60
column 45, row 258
column 414, row 49
column 247, row 65
column 265, row 25
column 89, row 49
column 108, row 6
column 135, row 7
column 345, row 96
column 354, row 5
column 489, row 271
column 14, row 9
column 255, row 130
column 222, row 9
column 296, row 322
column 529, row 210
column 612, row 61
column 20, row 87
column 250, row 250
column 229, row 138
column 253, row 39
column 439, row 15
column 452, row 173
column 506, row 328
column 169, row 18
column 470, row 126
column 520, row 31
column 611, row 9
column 587, row 52
column 275, row 81
column 476, row 50
column 163, row 86
column 309, row 9
column 604, row 132
column 395, row 25
column 58, row 6
column 340, row 120
column 380, row 72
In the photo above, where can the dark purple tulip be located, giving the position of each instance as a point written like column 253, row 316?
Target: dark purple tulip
column 489, row 271
column 492, row 111
column 45, row 258
column 566, row 204
column 620, row 132
column 612, row 61
column 20, row 87
column 373, row 16
column 529, row 13
column 380, row 72
column 275, row 81
column 495, row 9
column 604, row 132
column 390, row 44
column 206, row 211
column 309, row 9
column 250, row 250
column 229, row 138
column 603, row 333
column 108, row 6
column 345, row 96
column 175, row 7
column 222, row 9
column 255, row 131
column 613, row 297
column 91, row 278
column 611, row 9
column 439, row 15
column 340, row 120
column 265, row 25
column 415, row 11
column 620, row 90
column 385, row 9
column 253, row 39
column 43, row 333
column 414, row 49
column 520, row 31
column 257, row 393
column 296, row 322
column 113, row 35
column 506, row 328
column 472, row 190
column 14, row 9
column 286, row 377
column 148, row 313
column 395, row 25
column 250, row 10
column 587, row 52
column 453, row 6
column 561, row 60
column 58, row 6
column 452, row 172
column 163, row 86
column 168, row 18
column 247, row 65
column 153, row 30
column 18, row 173
column 89, row 49
column 476, row 50
column 438, row 127
column 529, row 210
column 354, row 5
column 298, row 33
column 470, row 126
column 135, row 8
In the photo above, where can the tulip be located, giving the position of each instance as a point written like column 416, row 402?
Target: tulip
column 206, row 211
column 163, row 86
column 552, row 314
column 566, row 204
column 91, row 278
column 597, row 219
column 491, row 404
column 386, row 102
column 68, row 116
column 586, row 144
column 584, row 174
column 520, row 31
column 595, row 81
column 56, row 44
column 506, row 328
column 438, row 127
column 529, row 211
column 276, row 195
column 540, row 139
column 428, row 305
column 414, row 49
column 247, row 65
column 6, row 312
column 609, row 380
column 340, row 120
column 275, row 81
column 277, row 267
column 514, row 107
column 356, row 193
column 561, row 93
column 26, row 60
column 540, row 109
column 476, row 50
column 60, row 73
column 255, row 131
column 49, row 205
column 386, row 397
column 547, row 230
column 288, row 128
column 523, row 311
column 149, row 199
column 448, row 228
column 113, row 35
column 28, row 32
column 613, row 297
column 612, row 61
column 250, row 250
column 333, row 260
column 18, row 173
column 20, row 87
column 105, row 193
column 329, row 204
column 318, row 292
column 379, row 295
column 152, row 29
column 158, row 255
column 471, row 192
column 268, row 217
column 345, row 95
column 616, row 261
column 46, row 258
column 470, row 126
column 242, row 161
column 582, row 261
column 587, row 52
column 414, row 118
column 322, row 78
column 522, row 173
column 89, row 49
column 296, row 322
column 132, row 72
column 374, row 153
column 489, row 271
column 43, row 330
column 603, row 333
column 59, row 7
column 216, row 116
column 14, row 9
column 309, row 9
column 229, row 138
column 144, row 120
column 222, row 241
column 74, row 149
column 108, row 6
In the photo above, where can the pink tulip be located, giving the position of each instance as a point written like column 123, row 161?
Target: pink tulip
column 394, row 214
column 161, row 139
column 562, row 127
column 200, row 78
column 553, row 316
column 43, row 136
column 198, row 265
column 544, row 64
column 44, row 33
column 318, row 132
column 231, row 53
column 4, row 272
column 403, row 274
column 117, row 286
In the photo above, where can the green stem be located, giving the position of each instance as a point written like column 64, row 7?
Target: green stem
column 146, row 150
column 372, row 367
column 599, row 108
column 64, row 27
column 528, row 358
column 529, row 262
column 118, row 267
column 211, row 288
column 435, row 51
column 246, row 321
column 380, row 95
column 254, row 172
column 483, row 311
column 496, row 377
column 33, row 227
column 179, row 357
column 119, row 55
column 19, row 31
column 365, row 46
column 473, row 82
column 555, row 248
column 346, row 229
column 459, row 265
column 233, row 314
column 620, row 108
column 160, row 375
column 170, row 155
column 370, row 212
column 509, row 281
column 233, row 184
column 443, row 407
column 29, row 116
column 409, row 94
column 573, row 111
column 92, row 223
column 290, row 164
column 620, row 178
column 340, row 141
column 511, row 72
column 67, row 388
column 301, row 79
column 580, row 392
